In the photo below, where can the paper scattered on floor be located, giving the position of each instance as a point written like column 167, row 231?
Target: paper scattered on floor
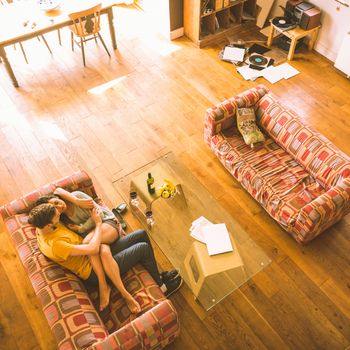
column 288, row 70
column 272, row 73
column 249, row 73
column 283, row 71
column 233, row 54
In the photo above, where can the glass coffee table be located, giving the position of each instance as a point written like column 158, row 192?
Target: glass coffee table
column 211, row 278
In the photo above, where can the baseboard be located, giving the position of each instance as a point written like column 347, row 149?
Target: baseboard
column 177, row 33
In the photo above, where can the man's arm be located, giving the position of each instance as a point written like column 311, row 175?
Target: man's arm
column 93, row 247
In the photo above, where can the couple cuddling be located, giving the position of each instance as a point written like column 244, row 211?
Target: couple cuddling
column 90, row 245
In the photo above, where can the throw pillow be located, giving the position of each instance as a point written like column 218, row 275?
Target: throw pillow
column 247, row 126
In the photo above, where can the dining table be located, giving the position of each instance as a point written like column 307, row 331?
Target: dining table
column 24, row 20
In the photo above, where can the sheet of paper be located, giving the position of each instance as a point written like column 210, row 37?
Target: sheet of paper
column 196, row 230
column 249, row 73
column 217, row 239
column 233, row 54
column 287, row 70
column 272, row 74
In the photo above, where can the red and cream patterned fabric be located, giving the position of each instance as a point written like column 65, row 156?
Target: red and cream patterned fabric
column 299, row 177
column 69, row 309
column 223, row 116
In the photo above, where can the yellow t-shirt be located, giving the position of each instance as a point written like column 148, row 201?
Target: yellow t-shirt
column 57, row 246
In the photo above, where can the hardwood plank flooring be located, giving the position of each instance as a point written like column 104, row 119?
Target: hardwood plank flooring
column 118, row 114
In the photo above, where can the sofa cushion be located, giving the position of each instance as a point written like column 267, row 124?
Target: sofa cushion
column 247, row 126
column 270, row 175
column 314, row 152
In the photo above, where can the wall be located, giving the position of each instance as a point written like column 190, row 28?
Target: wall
column 335, row 24
column 168, row 13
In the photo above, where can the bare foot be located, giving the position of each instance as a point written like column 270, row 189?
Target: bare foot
column 133, row 305
column 104, row 297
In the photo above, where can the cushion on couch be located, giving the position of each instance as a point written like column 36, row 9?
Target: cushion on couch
column 247, row 126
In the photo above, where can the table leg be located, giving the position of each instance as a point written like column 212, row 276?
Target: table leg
column 8, row 66
column 270, row 37
column 111, row 27
column 313, row 39
column 293, row 44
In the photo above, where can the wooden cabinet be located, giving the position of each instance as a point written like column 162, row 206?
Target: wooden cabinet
column 207, row 21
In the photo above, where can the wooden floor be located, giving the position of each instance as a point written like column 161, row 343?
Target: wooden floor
column 121, row 113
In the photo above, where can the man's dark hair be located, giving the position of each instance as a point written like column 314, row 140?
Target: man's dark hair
column 45, row 199
column 41, row 215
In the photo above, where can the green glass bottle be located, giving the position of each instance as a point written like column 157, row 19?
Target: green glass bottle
column 150, row 184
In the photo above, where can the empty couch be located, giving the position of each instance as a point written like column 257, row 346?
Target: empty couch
column 298, row 176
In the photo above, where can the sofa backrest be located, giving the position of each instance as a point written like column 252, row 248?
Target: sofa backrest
column 314, row 152
column 223, row 115
column 80, row 180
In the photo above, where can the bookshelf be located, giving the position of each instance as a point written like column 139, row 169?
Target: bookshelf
column 207, row 21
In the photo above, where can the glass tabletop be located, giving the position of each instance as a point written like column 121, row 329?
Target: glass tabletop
column 210, row 277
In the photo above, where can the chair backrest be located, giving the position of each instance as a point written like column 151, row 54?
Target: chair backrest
column 86, row 22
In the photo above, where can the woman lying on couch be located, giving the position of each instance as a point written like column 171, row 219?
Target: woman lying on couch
column 91, row 260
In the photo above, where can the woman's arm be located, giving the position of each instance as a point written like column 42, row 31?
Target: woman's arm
column 86, row 202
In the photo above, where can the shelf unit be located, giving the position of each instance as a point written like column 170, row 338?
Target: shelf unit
column 207, row 21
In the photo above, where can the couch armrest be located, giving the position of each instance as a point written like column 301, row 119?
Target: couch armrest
column 78, row 180
column 223, row 115
column 322, row 212
column 154, row 329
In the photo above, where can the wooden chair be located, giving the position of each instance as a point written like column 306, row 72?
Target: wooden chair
column 87, row 27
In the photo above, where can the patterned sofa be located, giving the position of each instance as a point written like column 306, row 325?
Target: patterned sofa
column 299, row 177
column 69, row 309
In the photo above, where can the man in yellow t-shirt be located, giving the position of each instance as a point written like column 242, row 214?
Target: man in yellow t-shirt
column 92, row 261
column 57, row 245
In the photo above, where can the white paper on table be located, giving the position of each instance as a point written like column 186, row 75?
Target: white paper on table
column 217, row 239
column 196, row 230
column 249, row 73
column 233, row 54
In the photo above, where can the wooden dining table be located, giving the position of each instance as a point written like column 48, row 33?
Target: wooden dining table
column 24, row 20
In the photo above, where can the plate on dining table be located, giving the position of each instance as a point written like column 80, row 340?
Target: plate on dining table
column 48, row 5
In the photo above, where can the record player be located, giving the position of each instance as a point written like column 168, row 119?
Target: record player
column 259, row 62
column 283, row 23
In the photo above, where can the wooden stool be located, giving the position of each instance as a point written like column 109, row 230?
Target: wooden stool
column 294, row 34
column 205, row 271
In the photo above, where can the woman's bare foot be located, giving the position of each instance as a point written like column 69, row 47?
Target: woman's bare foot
column 133, row 305
column 105, row 294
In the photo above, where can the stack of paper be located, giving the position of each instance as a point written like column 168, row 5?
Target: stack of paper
column 196, row 230
column 215, row 236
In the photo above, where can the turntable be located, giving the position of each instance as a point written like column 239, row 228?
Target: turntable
column 259, row 62
column 283, row 23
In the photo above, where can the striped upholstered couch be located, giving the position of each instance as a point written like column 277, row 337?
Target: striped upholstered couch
column 299, row 177
column 69, row 309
